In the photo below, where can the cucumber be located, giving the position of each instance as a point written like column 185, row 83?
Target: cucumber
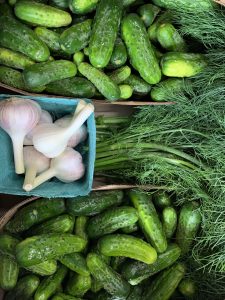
column 60, row 224
column 176, row 64
column 35, row 249
column 162, row 90
column 111, row 220
column 7, row 243
column 41, row 14
column 140, row 87
column 76, row 37
column 13, row 59
column 94, row 203
column 35, row 213
column 81, row 228
column 135, row 271
column 165, row 284
column 86, row 51
column 62, row 296
column 119, row 55
column 44, row 73
column 78, row 58
column 9, row 271
column 149, row 220
column 128, row 2
column 12, row 2
column 148, row 13
column 136, row 293
column 49, row 285
column 130, row 229
column 82, row 7
column 142, row 55
column 63, row 4
column 126, row 91
column 72, row 87
column 112, row 282
column 46, row 268
column 189, row 222
column 95, row 285
column 104, row 32
column 128, row 246
column 169, row 221
column 188, row 5
column 120, row 75
column 170, row 39
column 24, row 289
column 49, row 37
column 187, row 288
column 152, row 30
column 162, row 199
column 102, row 82
column 78, row 285
column 19, row 37
column 75, row 262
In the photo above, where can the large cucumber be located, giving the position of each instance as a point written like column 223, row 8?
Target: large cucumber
column 142, row 55
column 94, row 203
column 46, row 268
column 14, row 59
column 161, row 91
column 113, row 283
column 9, row 271
column 140, row 87
column 44, row 73
column 135, row 271
column 41, row 14
column 35, row 249
column 149, row 220
column 19, row 37
column 7, row 243
column 189, row 5
column 78, row 285
column 75, row 262
column 49, row 37
column 111, row 220
column 76, row 37
column 35, row 213
column 169, row 221
column 104, row 32
column 81, row 7
column 119, row 55
column 128, row 246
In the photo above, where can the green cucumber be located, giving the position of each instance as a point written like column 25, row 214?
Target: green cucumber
column 62, row 296
column 49, row 285
column 82, row 7
column 76, row 37
column 149, row 220
column 119, row 55
column 112, row 282
column 177, row 64
column 44, row 73
column 24, row 289
column 12, row 2
column 128, row 246
column 188, row 225
column 130, row 229
column 141, row 53
column 41, row 14
column 162, row 199
column 94, row 203
column 103, row 83
column 35, row 249
column 7, row 243
column 128, row 2
column 188, row 5
column 140, row 87
column 13, row 59
column 78, row 285
column 19, row 37
column 111, row 220
column 86, row 51
column 120, row 75
column 169, row 221
column 152, row 30
column 148, row 13
column 75, row 262
column 78, row 57
column 46, row 268
column 162, row 90
column 80, row 228
column 34, row 213
column 60, row 3
column 9, row 271
column 60, row 224
column 49, row 37
column 126, row 91
column 135, row 271
column 187, row 288
column 72, row 87
column 104, row 32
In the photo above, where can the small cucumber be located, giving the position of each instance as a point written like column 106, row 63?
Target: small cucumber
column 104, row 32
column 34, row 213
column 135, row 271
column 128, row 246
column 149, row 220
column 9, row 271
column 78, row 285
column 35, row 249
column 140, row 87
column 62, row 296
column 76, row 37
column 148, row 13
column 81, row 228
column 49, row 285
column 177, row 64
column 169, row 221
column 163, row 18
column 49, row 37
column 78, row 58
column 189, row 222
column 188, row 288
column 44, row 73
column 126, row 91
column 7, row 243
column 60, row 3
column 120, row 75
column 41, row 14
column 111, row 220
column 162, row 90
column 75, row 262
column 86, row 51
column 82, row 7
column 162, row 199
column 187, row 5
column 13, row 59
column 46, row 268
column 130, row 229
column 112, row 282
column 119, row 55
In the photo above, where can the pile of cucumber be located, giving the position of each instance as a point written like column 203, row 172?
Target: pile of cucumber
column 108, row 245
column 107, row 49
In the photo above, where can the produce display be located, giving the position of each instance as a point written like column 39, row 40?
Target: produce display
column 84, row 49
column 81, row 249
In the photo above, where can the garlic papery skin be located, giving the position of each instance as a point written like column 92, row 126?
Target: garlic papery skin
column 35, row 163
column 67, row 167
column 78, row 137
column 51, row 140
column 45, row 118
column 19, row 116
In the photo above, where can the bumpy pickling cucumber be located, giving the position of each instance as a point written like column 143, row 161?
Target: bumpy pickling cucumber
column 75, row 262
column 140, row 87
column 49, row 37
column 78, row 285
column 119, row 55
column 162, row 199
column 169, row 221
column 14, row 59
column 9, row 271
column 189, row 5
column 46, row 268
column 148, row 13
column 81, row 7
column 121, row 74
column 7, row 243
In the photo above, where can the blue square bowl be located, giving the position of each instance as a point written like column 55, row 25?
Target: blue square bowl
column 11, row 183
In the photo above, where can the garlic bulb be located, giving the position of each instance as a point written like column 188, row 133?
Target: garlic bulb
column 45, row 118
column 18, row 117
column 67, row 167
column 35, row 163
